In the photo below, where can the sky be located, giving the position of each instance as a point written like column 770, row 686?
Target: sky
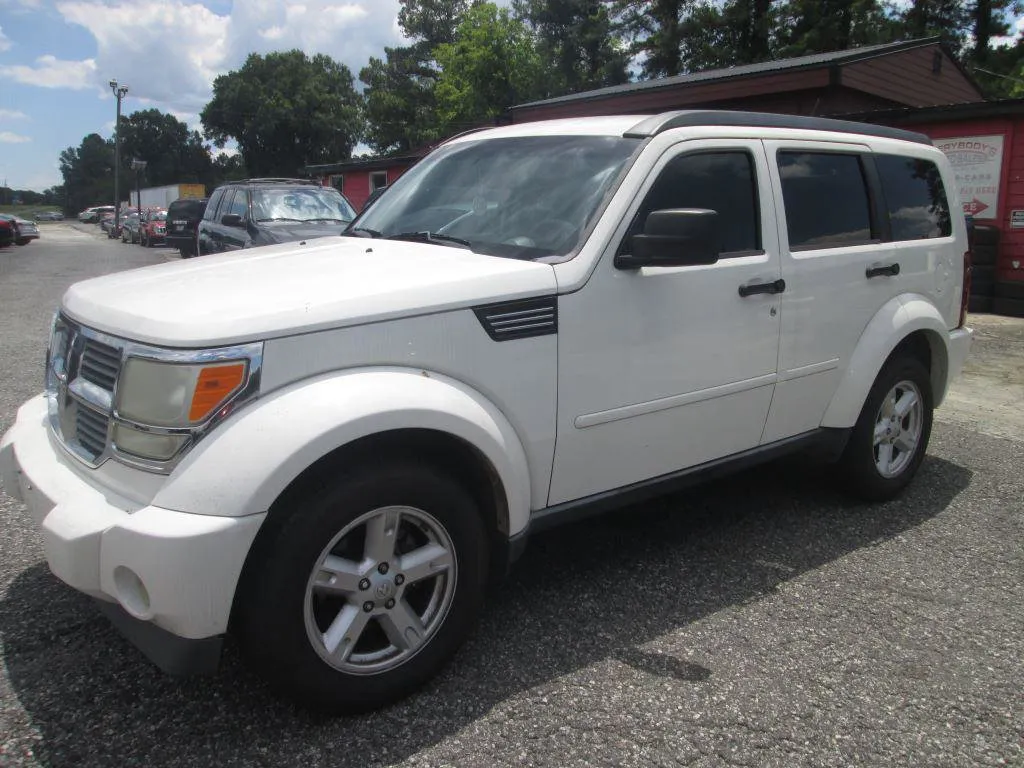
column 57, row 56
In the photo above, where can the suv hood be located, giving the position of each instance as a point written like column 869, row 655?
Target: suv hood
column 281, row 290
column 270, row 233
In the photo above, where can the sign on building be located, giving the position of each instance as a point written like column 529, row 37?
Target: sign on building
column 977, row 163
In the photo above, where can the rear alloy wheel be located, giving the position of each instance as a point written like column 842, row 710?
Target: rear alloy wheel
column 367, row 588
column 891, row 436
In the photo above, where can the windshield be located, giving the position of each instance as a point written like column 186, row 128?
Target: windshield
column 300, row 204
column 522, row 197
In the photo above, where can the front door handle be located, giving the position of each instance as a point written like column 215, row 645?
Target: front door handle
column 751, row 289
column 884, row 270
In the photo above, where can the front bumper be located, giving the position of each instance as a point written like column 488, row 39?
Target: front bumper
column 171, row 572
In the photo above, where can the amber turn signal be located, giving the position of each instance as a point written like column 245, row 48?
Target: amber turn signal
column 215, row 384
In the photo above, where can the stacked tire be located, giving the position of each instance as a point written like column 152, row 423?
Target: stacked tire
column 984, row 255
column 1009, row 298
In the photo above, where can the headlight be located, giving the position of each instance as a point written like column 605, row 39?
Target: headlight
column 176, row 395
column 167, row 400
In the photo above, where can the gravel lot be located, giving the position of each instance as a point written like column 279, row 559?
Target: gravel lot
column 762, row 621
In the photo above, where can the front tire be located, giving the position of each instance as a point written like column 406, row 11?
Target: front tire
column 891, row 436
column 366, row 589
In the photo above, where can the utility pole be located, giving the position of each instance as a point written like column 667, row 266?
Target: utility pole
column 119, row 93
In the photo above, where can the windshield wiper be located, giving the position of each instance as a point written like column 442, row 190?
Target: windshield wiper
column 361, row 232
column 343, row 221
column 431, row 237
column 282, row 219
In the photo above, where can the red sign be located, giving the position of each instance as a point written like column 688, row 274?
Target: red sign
column 974, row 207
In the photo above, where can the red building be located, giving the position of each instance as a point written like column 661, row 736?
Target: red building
column 357, row 179
column 985, row 143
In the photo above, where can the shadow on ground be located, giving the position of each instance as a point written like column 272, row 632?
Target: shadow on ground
column 582, row 594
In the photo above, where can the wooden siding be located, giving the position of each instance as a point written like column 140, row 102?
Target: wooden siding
column 1011, row 186
column 356, row 186
column 679, row 97
column 906, row 77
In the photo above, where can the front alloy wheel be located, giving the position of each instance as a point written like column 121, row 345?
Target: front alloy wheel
column 380, row 590
column 362, row 585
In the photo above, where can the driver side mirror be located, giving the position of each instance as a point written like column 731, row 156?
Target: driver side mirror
column 674, row 237
column 232, row 220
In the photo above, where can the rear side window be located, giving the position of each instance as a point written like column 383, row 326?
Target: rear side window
column 718, row 181
column 914, row 196
column 826, row 199
column 211, row 209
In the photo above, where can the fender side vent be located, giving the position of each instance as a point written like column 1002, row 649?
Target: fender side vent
column 519, row 319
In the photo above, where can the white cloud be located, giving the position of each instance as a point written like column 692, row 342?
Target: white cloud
column 166, row 51
column 51, row 72
column 5, row 41
column 12, row 114
column 9, row 137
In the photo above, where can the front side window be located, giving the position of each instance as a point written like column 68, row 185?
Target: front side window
column 914, row 196
column 239, row 204
column 300, row 204
column 826, row 199
column 211, row 209
column 719, row 181
column 523, row 197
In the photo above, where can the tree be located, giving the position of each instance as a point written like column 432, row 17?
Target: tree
column 492, row 65
column 88, row 172
column 655, row 31
column 575, row 38
column 820, row 26
column 285, row 110
column 949, row 19
column 172, row 152
column 401, row 111
column 432, row 22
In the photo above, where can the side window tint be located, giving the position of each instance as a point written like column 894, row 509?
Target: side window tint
column 240, row 204
column 915, row 197
column 826, row 200
column 211, row 208
column 719, row 181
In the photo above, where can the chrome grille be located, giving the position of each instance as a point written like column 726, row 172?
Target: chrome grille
column 91, row 430
column 83, row 370
column 100, row 364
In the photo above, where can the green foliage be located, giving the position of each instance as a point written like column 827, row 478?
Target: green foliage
column 432, row 22
column 401, row 112
column 88, row 172
column 653, row 29
column 576, row 40
column 172, row 152
column 819, row 26
column 286, row 110
column 493, row 64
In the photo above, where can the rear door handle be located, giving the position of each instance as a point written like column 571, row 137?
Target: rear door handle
column 751, row 289
column 885, row 270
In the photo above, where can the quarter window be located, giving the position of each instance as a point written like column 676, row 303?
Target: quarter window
column 826, row 199
column 718, row 181
column 914, row 196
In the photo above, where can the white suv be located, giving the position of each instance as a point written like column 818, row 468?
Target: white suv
column 329, row 447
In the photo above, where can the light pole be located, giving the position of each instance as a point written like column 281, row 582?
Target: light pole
column 119, row 93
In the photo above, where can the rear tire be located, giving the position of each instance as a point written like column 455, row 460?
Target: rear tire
column 366, row 589
column 890, row 439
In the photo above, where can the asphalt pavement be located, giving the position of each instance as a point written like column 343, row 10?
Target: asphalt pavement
column 763, row 621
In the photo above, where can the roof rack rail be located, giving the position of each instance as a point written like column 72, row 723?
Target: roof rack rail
column 688, row 118
column 271, row 180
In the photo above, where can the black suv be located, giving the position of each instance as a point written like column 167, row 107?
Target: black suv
column 183, row 217
column 245, row 214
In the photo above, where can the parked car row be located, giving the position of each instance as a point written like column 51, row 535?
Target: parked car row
column 147, row 227
column 14, row 229
column 48, row 216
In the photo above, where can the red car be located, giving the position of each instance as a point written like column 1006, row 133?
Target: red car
column 152, row 227
column 6, row 233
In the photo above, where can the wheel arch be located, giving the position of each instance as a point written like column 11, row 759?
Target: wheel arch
column 908, row 324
